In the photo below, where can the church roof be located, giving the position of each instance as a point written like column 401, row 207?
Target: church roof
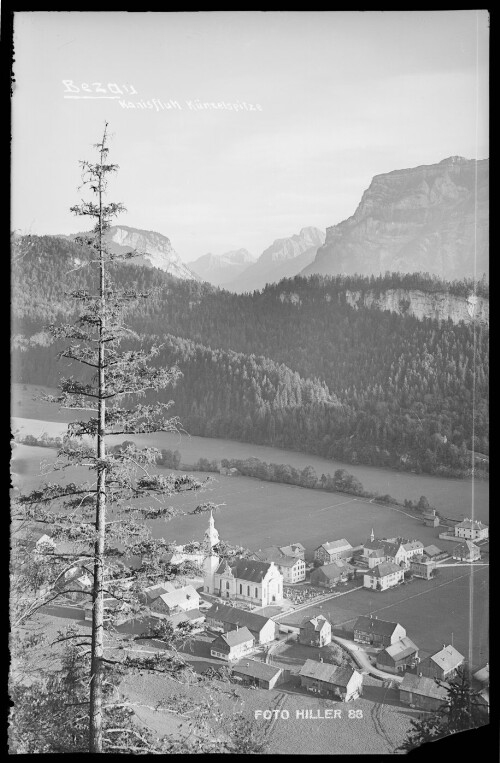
column 251, row 570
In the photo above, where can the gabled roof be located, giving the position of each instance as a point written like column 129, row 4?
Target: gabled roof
column 425, row 687
column 318, row 622
column 292, row 548
column 233, row 638
column 374, row 544
column 256, row 669
column 384, row 569
column 289, row 561
column 468, row 545
column 179, row 596
column 448, row 658
column 374, row 625
column 275, row 554
column 248, row 569
column 412, row 544
column 335, row 545
column 152, row 592
column 192, row 616
column 401, row 649
column 483, row 674
column 236, row 616
column 338, row 675
column 471, row 524
column 432, row 550
column 333, row 570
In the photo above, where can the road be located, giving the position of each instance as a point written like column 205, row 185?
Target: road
column 363, row 661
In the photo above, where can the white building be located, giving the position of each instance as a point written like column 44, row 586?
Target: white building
column 383, row 576
column 471, row 529
column 260, row 583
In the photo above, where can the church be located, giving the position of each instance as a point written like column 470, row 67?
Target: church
column 259, row 583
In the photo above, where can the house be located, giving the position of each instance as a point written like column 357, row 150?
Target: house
column 260, row 583
column 482, row 676
column 227, row 618
column 383, row 576
column 471, row 529
column 260, row 674
column 396, row 550
column 335, row 549
column 422, row 567
column 294, row 549
column 178, row 600
column 192, row 616
column 293, row 568
column 233, row 645
column 397, row 657
column 316, row 631
column 443, row 665
column 434, row 553
column 466, row 552
column 328, row 575
column 371, row 630
column 151, row 593
column 421, row 692
column 334, row 681
column 430, row 518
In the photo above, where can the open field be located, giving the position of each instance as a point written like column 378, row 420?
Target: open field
column 257, row 514
column 451, row 496
column 454, row 602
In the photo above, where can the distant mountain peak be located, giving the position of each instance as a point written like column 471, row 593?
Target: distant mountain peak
column 155, row 248
column 217, row 269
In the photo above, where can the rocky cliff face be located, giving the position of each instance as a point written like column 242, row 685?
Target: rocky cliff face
column 285, row 258
column 156, row 250
column 432, row 218
column 218, row 269
column 440, row 305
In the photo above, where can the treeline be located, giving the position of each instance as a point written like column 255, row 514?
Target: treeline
column 341, row 481
column 309, row 373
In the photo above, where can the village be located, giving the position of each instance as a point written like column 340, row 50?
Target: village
column 236, row 606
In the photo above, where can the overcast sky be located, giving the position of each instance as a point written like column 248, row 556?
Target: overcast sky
column 342, row 96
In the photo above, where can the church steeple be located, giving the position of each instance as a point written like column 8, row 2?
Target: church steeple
column 211, row 561
column 372, row 536
column 211, row 534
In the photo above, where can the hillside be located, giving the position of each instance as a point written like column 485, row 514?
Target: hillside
column 432, row 218
column 296, row 365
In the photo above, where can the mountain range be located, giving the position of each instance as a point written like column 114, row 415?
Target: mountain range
column 432, row 218
column 218, row 269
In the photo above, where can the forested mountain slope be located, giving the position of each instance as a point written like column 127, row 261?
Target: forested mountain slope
column 296, row 365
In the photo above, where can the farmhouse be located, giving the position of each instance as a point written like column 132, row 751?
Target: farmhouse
column 328, row 575
column 338, row 682
column 443, row 665
column 383, row 576
column 151, row 593
column 232, row 645
column 180, row 599
column 434, row 553
column 371, row 630
column 294, row 549
column 422, row 692
column 471, row 529
column 396, row 550
column 397, row 657
column 466, row 552
column 226, row 618
column 335, row 549
column 293, row 568
column 316, row 631
column 260, row 674
column 422, row 567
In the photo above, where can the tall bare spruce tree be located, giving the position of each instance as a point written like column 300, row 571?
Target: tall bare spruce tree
column 98, row 524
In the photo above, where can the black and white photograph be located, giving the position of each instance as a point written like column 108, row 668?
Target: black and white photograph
column 249, row 382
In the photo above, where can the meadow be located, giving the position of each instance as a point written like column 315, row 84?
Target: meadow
column 453, row 497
